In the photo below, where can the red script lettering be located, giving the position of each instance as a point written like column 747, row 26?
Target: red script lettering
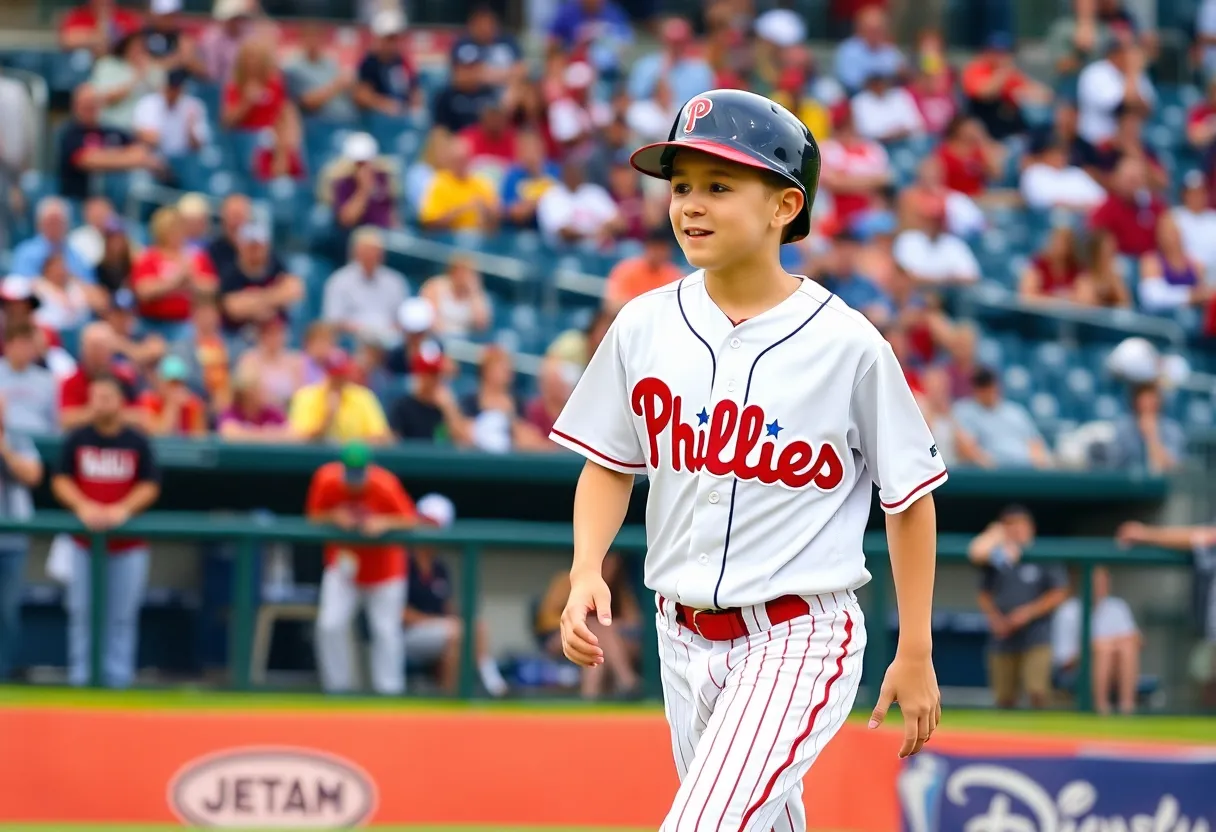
column 794, row 463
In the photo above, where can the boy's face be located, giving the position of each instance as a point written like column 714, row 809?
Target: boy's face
column 723, row 211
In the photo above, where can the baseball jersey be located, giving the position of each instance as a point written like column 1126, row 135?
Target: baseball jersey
column 383, row 494
column 760, row 440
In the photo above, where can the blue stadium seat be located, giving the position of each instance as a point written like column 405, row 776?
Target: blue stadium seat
column 30, row 60
column 1018, row 384
column 1199, row 414
column 1106, row 407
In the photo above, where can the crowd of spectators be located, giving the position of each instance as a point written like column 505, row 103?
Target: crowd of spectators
column 204, row 322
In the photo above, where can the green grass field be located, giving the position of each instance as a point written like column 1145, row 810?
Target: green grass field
column 1187, row 729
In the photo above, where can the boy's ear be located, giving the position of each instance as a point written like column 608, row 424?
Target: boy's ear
column 789, row 202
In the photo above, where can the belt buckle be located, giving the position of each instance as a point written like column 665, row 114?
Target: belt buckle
column 696, row 627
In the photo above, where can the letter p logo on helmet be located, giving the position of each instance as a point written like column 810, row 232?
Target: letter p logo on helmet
column 696, row 109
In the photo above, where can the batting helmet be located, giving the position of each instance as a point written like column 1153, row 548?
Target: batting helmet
column 749, row 129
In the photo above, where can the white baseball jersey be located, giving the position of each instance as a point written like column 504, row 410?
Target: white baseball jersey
column 760, row 440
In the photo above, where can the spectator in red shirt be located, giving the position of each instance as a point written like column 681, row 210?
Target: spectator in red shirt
column 167, row 273
column 97, row 25
column 932, row 90
column 173, row 408
column 553, row 388
column 854, row 168
column 492, row 139
column 1055, row 273
column 1201, row 122
column 107, row 475
column 970, row 160
column 255, row 99
column 1127, row 220
column 96, row 360
column 256, row 96
column 996, row 89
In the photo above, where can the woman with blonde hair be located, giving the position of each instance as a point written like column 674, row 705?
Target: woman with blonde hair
column 166, row 274
column 256, row 100
column 251, row 418
column 279, row 369
column 419, row 175
column 462, row 306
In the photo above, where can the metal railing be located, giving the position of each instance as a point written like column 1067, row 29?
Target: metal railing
column 472, row 538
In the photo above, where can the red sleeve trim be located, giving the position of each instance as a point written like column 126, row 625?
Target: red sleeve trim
column 605, row 457
column 914, row 491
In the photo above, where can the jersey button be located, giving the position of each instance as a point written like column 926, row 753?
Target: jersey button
column 735, row 343
column 703, row 558
column 730, row 387
column 713, row 497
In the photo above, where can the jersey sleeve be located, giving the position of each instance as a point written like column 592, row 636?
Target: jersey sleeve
column 894, row 440
column 596, row 421
column 320, row 492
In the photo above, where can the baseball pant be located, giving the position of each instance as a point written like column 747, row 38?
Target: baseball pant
column 12, row 578
column 384, row 604
column 427, row 641
column 748, row 717
column 126, row 579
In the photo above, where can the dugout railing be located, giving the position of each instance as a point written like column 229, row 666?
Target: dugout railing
column 474, row 538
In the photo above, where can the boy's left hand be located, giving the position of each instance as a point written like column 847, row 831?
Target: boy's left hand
column 912, row 682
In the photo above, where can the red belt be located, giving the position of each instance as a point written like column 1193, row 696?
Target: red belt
column 729, row 624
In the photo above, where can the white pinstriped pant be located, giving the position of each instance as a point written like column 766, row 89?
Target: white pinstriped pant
column 748, row 717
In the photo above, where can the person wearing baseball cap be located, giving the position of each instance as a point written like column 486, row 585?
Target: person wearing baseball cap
column 430, row 412
column 434, row 631
column 356, row 495
column 387, row 84
column 337, row 407
column 172, row 408
column 459, row 105
column 1018, row 600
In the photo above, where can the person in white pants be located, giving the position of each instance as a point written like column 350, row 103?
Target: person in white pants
column 355, row 494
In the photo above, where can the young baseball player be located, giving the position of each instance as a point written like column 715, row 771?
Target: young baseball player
column 761, row 407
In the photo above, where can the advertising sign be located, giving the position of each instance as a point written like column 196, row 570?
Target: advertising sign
column 1071, row 793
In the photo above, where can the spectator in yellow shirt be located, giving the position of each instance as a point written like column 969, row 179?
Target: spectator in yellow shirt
column 458, row 200
column 337, row 409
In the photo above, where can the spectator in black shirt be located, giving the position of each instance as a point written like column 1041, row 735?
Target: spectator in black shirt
column 86, row 147
column 387, row 84
column 460, row 103
column 499, row 53
column 434, row 631
column 107, row 475
column 235, row 213
column 167, row 42
column 257, row 286
column 430, row 412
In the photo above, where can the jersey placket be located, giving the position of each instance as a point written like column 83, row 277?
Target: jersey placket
column 713, row 510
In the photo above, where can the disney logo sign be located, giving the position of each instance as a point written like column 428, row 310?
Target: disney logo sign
column 1066, row 794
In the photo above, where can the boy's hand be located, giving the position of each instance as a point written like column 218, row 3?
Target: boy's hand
column 912, row 682
column 588, row 593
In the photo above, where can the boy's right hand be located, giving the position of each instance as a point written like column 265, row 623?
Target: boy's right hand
column 588, row 593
